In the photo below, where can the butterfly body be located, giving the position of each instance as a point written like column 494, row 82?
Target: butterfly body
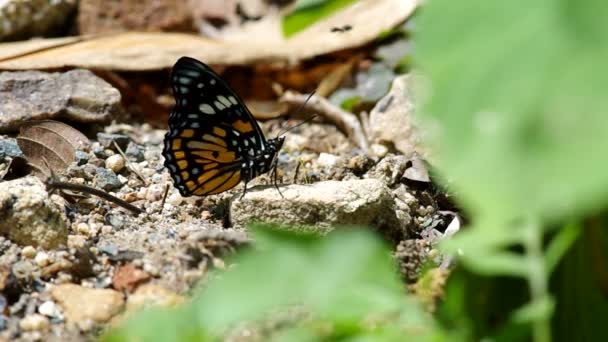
column 213, row 141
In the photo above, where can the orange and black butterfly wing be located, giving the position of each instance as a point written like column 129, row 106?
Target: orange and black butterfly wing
column 211, row 133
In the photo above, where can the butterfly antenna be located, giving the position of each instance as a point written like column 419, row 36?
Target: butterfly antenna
column 300, row 107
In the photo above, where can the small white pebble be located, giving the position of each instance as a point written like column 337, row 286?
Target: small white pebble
column 76, row 241
column 141, row 194
column 147, row 172
column 379, row 150
column 122, row 179
column 157, row 178
column 42, row 259
column 48, row 309
column 155, row 192
column 115, row 163
column 77, row 180
column 106, row 229
column 28, row 252
column 175, row 199
column 83, row 228
column 34, row 322
column 327, row 159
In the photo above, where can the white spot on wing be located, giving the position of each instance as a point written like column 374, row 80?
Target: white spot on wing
column 218, row 105
column 212, row 82
column 200, row 85
column 207, row 109
column 232, row 99
column 195, row 170
column 224, row 101
column 185, row 80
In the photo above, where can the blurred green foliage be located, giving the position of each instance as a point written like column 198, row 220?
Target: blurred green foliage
column 516, row 99
column 345, row 281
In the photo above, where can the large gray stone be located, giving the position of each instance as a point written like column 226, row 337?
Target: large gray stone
column 76, row 95
column 320, row 206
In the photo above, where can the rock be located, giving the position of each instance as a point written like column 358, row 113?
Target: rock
column 134, row 152
column 34, row 322
column 128, row 277
column 390, row 169
column 81, row 157
column 411, row 256
column 321, row 205
column 98, row 16
column 117, row 221
column 76, row 95
column 29, row 217
column 42, row 259
column 31, row 18
column 115, row 163
column 107, row 140
column 9, row 148
column 28, row 252
column 327, row 160
column 49, row 309
column 392, row 120
column 152, row 295
column 23, row 269
column 107, row 180
column 81, row 304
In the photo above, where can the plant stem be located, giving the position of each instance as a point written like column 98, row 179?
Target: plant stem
column 537, row 277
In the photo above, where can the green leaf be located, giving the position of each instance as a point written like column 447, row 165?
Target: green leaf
column 342, row 276
column 346, row 279
column 539, row 309
column 518, row 96
column 482, row 250
column 307, row 12
column 560, row 244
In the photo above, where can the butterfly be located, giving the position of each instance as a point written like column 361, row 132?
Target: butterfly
column 213, row 142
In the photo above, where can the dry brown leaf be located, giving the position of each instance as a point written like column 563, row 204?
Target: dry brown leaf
column 51, row 143
column 253, row 42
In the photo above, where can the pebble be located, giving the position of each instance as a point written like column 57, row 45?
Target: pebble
column 23, row 269
column 115, row 220
column 141, row 194
column 9, row 148
column 115, row 163
column 76, row 241
column 81, row 157
column 379, row 150
column 42, row 259
column 83, row 228
column 135, row 152
column 28, row 252
column 101, row 304
column 34, row 322
column 155, row 192
column 49, row 309
column 107, row 179
column 175, row 199
column 327, row 159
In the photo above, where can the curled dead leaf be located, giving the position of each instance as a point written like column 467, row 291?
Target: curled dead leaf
column 50, row 144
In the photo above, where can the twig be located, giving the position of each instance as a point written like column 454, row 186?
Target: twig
column 134, row 170
column 345, row 121
column 162, row 203
column 53, row 183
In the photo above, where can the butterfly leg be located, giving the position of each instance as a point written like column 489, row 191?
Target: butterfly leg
column 274, row 179
column 244, row 191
